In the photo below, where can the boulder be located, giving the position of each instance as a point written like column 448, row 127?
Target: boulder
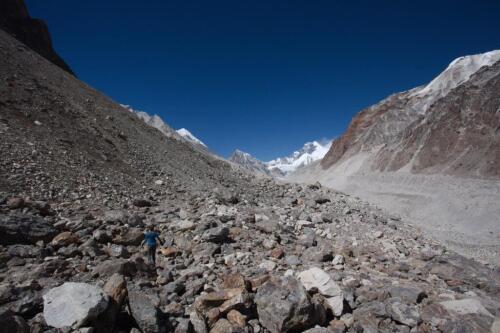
column 216, row 235
column 141, row 203
column 183, row 225
column 222, row 326
column 144, row 310
column 408, row 294
column 64, row 239
column 283, row 305
column 466, row 306
column 116, row 215
column 316, row 278
column 25, row 229
column 73, row 304
column 110, row 267
column 403, row 313
column 131, row 236
column 117, row 251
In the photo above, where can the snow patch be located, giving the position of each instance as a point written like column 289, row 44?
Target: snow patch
column 189, row 136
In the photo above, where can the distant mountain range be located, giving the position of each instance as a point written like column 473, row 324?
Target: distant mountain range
column 282, row 166
column 158, row 123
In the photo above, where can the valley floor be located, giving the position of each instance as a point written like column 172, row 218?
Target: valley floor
column 463, row 213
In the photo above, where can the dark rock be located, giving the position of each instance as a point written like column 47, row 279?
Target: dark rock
column 141, row 203
column 10, row 323
column 283, row 305
column 216, row 235
column 25, row 229
column 145, row 311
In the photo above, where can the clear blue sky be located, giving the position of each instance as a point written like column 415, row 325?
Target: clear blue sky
column 263, row 76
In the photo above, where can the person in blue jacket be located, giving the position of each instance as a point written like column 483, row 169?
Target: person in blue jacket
column 150, row 238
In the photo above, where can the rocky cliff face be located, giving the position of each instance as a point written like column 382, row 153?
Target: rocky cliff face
column 15, row 19
column 451, row 126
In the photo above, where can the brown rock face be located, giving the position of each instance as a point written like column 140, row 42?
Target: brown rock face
column 15, row 19
column 459, row 134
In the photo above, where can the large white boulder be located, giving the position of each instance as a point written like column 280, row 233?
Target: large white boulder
column 316, row 278
column 73, row 303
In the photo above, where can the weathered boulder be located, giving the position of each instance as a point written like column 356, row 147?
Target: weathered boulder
column 110, row 267
column 408, row 294
column 466, row 306
column 141, row 203
column 25, row 229
column 403, row 313
column 117, row 215
column 216, row 235
column 283, row 305
column 145, row 311
column 316, row 278
column 64, row 239
column 131, row 236
column 73, row 304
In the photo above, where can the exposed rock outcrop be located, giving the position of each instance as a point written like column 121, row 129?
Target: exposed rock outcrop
column 15, row 19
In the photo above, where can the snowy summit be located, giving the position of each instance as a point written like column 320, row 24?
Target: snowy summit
column 189, row 136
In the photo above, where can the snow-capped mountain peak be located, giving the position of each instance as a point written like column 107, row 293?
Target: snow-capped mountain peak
column 310, row 152
column 458, row 71
column 280, row 167
column 189, row 136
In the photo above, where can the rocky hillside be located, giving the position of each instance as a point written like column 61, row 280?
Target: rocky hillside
column 431, row 155
column 81, row 178
column 15, row 19
column 451, row 126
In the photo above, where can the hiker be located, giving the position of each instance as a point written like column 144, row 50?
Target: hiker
column 150, row 237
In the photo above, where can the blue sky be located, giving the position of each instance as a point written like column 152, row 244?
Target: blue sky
column 263, row 76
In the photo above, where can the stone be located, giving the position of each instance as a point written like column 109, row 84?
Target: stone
column 292, row 260
column 117, row 251
column 15, row 203
column 25, row 229
column 267, row 226
column 283, row 305
column 120, row 266
column 198, row 323
column 170, row 252
column 268, row 265
column 183, row 225
column 277, row 253
column 117, row 215
column 141, row 203
column 144, row 310
column 403, row 313
column 321, row 200
column 216, row 235
column 338, row 260
column 101, row 236
column 236, row 318
column 236, row 281
column 466, row 306
column 130, row 236
column 378, row 234
column 73, row 304
column 317, row 279
column 317, row 254
column 64, row 239
column 408, row 294
column 222, row 326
